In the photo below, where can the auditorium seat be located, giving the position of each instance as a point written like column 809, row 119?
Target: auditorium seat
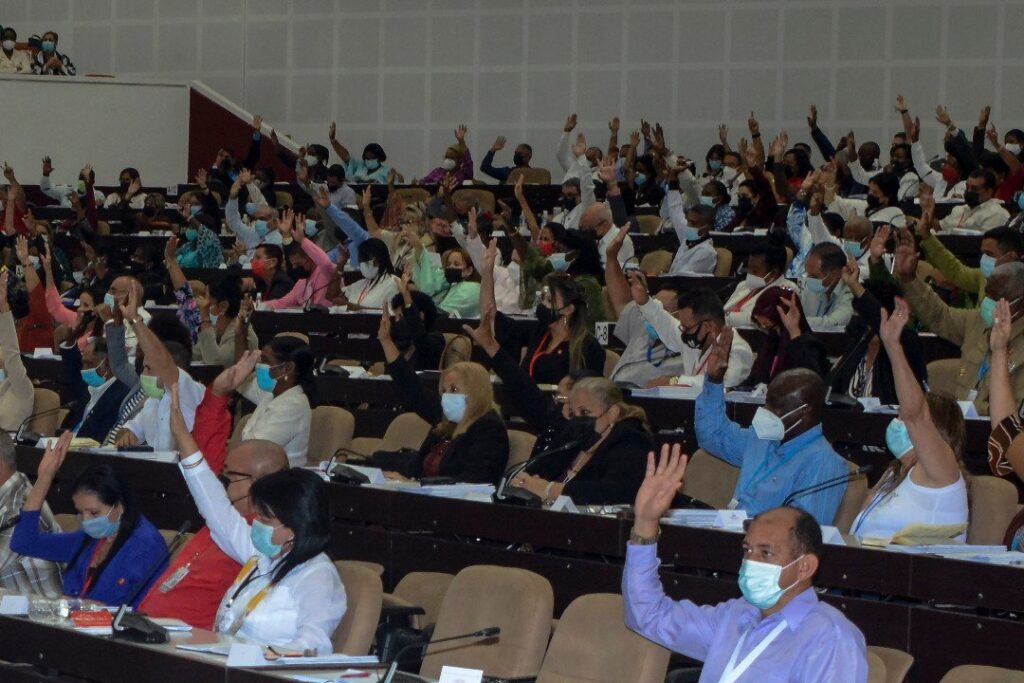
column 520, row 445
column 649, row 224
column 102, row 228
column 942, row 375
column 420, row 589
column 656, row 262
column 852, row 501
column 518, row 601
column 284, row 199
column 710, row 479
column 410, row 195
column 43, row 400
column 458, row 348
column 896, row 663
column 973, row 673
column 304, row 338
column 877, row 670
column 993, row 503
column 611, row 358
column 363, row 595
column 531, row 176
column 484, row 199
column 169, row 535
column 593, row 644
column 724, row 265
column 330, row 429
column 68, row 521
column 408, row 430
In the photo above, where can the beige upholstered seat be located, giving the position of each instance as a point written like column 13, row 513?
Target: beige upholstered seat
column 363, row 594
column 457, row 348
column 520, row 445
column 67, row 521
column 284, row 199
column 517, row 601
column 723, row 267
column 710, row 479
column 649, row 224
column 656, row 262
column 44, row 399
column 169, row 535
column 411, row 195
column 593, row 644
column 852, row 502
column 993, row 504
column 531, row 176
column 895, row 664
column 484, row 199
column 942, row 375
column 972, row 673
column 330, row 429
column 611, row 359
column 407, row 430
column 421, row 589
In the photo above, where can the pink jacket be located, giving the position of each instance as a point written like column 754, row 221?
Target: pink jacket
column 312, row 289
column 62, row 315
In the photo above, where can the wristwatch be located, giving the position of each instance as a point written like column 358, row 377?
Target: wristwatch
column 637, row 539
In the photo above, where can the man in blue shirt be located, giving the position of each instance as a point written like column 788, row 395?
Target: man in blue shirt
column 778, row 632
column 783, row 451
column 520, row 158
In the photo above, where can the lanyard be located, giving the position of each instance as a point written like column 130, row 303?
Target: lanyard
column 540, row 350
column 700, row 367
column 983, row 370
column 664, row 356
column 362, row 294
column 732, row 670
column 90, row 571
column 744, row 300
column 249, row 571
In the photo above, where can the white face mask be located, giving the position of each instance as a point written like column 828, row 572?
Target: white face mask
column 311, row 160
column 368, row 269
column 755, row 281
column 769, row 427
column 1013, row 148
column 448, row 164
column 9, row 45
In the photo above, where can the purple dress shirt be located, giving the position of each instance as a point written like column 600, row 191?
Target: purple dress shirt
column 462, row 172
column 819, row 644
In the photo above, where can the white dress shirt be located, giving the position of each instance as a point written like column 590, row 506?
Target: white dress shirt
column 283, row 419
column 985, row 216
column 152, row 425
column 301, row 611
column 625, row 253
column 741, row 304
column 372, row 294
column 698, row 259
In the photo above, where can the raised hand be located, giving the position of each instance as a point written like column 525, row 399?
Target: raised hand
column 490, row 256
column 812, row 117
column 943, row 117
column 130, row 307
column 21, row 250
column 471, row 226
column 201, row 177
column 284, row 225
column 53, row 457
column 233, row 377
column 637, row 285
column 634, row 139
column 406, row 279
column 499, row 143
column 606, row 169
column 460, row 133
column 901, row 104
column 580, row 146
column 299, row 227
column 753, row 125
column 245, row 176
column 134, row 187
column 332, row 131
column 892, row 325
column 851, row 273
column 384, row 330
column 518, row 189
column 723, row 134
column 257, row 123
column 323, row 198
column 718, row 358
column 9, row 173
column 662, row 481
column 1002, row 322
column 906, row 256
column 483, row 333
column 993, row 136
column 570, row 123
column 986, row 111
column 645, row 129
column 789, row 314
column 47, row 166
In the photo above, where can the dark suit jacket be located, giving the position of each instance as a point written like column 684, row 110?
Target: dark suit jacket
column 103, row 416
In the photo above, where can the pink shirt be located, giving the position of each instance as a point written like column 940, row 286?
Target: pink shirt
column 62, row 315
column 312, row 289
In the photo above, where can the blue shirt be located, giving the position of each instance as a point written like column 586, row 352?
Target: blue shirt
column 770, row 470
column 818, row 644
column 357, row 172
column 499, row 173
column 356, row 233
column 135, row 562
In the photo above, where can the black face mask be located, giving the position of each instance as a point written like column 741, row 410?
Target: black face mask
column 545, row 315
column 124, row 186
column 517, row 159
column 874, row 202
column 453, row 275
column 333, row 188
column 972, row 198
column 744, row 205
column 692, row 339
column 567, row 203
column 225, row 482
column 582, row 429
column 299, row 273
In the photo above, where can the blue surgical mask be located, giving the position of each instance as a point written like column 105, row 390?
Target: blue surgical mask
column 897, row 438
column 1020, row 201
column 191, row 234
column 195, row 209
column 311, row 229
column 691, row 234
column 651, row 332
column 250, row 209
column 640, row 178
column 263, row 379
column 48, row 45
column 853, row 249
column 454, row 406
column 214, row 317
column 715, row 164
column 262, row 535
column 705, row 200
column 109, row 300
column 759, row 582
column 372, row 164
column 91, row 377
column 815, row 285
column 987, row 310
column 986, row 265
column 101, row 527
column 558, row 261
column 261, row 227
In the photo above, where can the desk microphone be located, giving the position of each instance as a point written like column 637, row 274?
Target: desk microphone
column 507, row 494
column 489, row 632
column 827, row 484
column 151, row 574
column 31, row 437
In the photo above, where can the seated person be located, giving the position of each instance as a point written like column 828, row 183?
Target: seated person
column 20, row 574
column 82, row 188
column 116, row 297
column 765, row 268
column 84, row 320
column 824, row 296
column 924, row 485
column 13, row 60
column 864, row 370
column 17, row 395
column 998, row 246
column 162, row 365
column 881, row 205
column 454, row 285
column 802, row 639
column 597, row 220
column 368, row 168
column 468, row 440
column 128, row 193
column 696, row 254
column 981, row 210
column 520, row 159
column 789, row 342
column 281, row 388
column 288, row 593
column 270, row 277
column 35, row 326
column 968, row 329
column 98, row 393
column 193, row 584
column 111, row 557
column 312, row 266
column 49, row 62
column 202, row 247
column 263, row 228
column 783, row 451
column 379, row 283
column 457, row 162
column 413, row 328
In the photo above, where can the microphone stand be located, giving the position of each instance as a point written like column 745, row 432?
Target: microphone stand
column 518, row 496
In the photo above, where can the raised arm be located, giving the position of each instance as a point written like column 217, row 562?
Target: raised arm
column 615, row 280
column 31, row 277
column 158, row 358
column 338, row 148
column 1001, row 401
column 934, row 455
column 372, row 227
column 562, row 153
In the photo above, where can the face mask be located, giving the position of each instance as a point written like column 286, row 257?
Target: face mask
column 333, row 188
column 518, row 159
column 759, row 582
column 873, row 202
column 109, row 300
column 972, row 198
column 640, row 178
column 691, row 234
column 311, row 229
column 897, row 438
column 262, row 535
column 1011, row 147
column 584, row 429
column 261, row 227
column 453, row 275
column 651, row 332
column 34, row 260
column 92, row 377
column 691, row 339
column 372, row 164
column 769, row 427
column 80, row 187
column 547, row 247
column 3, row 375
column 191, row 234
column 986, row 265
column 195, row 210
column 448, row 164
column 368, row 269
column 815, row 285
column 453, row 406
column 311, row 160
column 101, row 527
column 950, row 175
column 9, row 45
column 545, row 315
column 259, row 267
column 263, row 379
column 853, row 249
column 755, row 281
column 744, row 205
column 149, row 386
column 558, row 261
column 250, row 209
column 1020, row 201
column 705, row 200
column 567, row 203
column 715, row 164
column 48, row 46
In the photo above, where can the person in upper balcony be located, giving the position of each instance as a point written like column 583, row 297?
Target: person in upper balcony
column 368, row 168
column 128, row 193
column 13, row 60
column 457, row 161
column 49, row 62
column 520, row 159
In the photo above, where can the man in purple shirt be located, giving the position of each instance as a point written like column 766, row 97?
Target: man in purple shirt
column 777, row 632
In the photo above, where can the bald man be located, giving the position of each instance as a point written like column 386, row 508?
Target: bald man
column 195, row 582
column 783, row 451
column 597, row 218
column 117, row 296
column 778, row 630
